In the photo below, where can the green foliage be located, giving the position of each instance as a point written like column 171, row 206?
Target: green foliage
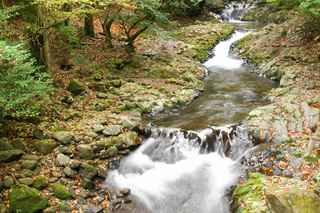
column 285, row 4
column 5, row 16
column 312, row 6
column 68, row 32
column 23, row 84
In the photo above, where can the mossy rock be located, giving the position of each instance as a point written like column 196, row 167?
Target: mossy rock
column 61, row 191
column 75, row 87
column 25, row 199
column 40, row 182
column 45, row 147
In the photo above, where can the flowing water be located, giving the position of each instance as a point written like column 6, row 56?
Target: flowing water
column 192, row 171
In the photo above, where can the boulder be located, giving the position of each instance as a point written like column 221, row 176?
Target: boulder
column 66, row 151
column 129, row 124
column 19, row 143
column 70, row 172
column 61, row 191
column 45, row 147
column 31, row 157
column 64, row 137
column 62, row 160
column 293, row 200
column 112, row 151
column 26, row 181
column 88, row 171
column 75, row 87
column 85, row 152
column 112, row 130
column 29, row 164
column 25, row 199
column 40, row 182
column 11, row 155
column 8, row 182
column 87, row 184
column 145, row 106
column 103, row 171
column 129, row 139
column 41, row 133
column 5, row 145
column 98, row 128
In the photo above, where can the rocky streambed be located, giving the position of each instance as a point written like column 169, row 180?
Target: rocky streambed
column 290, row 180
column 58, row 162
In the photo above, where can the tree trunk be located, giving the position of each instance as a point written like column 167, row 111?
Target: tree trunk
column 88, row 25
column 107, row 30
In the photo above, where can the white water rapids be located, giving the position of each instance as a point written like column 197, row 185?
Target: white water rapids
column 186, row 172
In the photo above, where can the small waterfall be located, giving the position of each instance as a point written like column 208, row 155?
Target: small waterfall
column 184, row 171
column 235, row 12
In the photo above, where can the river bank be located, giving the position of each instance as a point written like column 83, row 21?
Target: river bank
column 58, row 161
column 290, row 169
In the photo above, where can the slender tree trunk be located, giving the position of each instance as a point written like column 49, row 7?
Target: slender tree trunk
column 3, row 6
column 88, row 25
column 107, row 30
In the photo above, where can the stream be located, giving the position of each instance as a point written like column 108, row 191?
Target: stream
column 193, row 156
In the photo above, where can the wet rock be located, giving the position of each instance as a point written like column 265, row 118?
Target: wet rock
column 293, row 200
column 26, row 181
column 88, row 171
column 125, row 192
column 85, row 152
column 87, row 184
column 129, row 139
column 146, row 107
column 11, row 155
column 70, row 172
column 75, row 87
column 62, row 160
column 40, row 182
column 29, row 164
column 113, row 130
column 61, row 191
column 103, row 171
column 112, row 151
column 19, row 143
column 27, row 199
column 45, row 147
column 64, row 137
column 5, row 145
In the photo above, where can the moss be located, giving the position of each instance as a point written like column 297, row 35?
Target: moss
column 25, row 199
column 40, row 182
column 311, row 159
column 61, row 191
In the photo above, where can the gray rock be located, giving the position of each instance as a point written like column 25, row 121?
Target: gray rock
column 113, row 130
column 88, row 171
column 103, row 171
column 64, row 137
column 27, row 172
column 62, row 160
column 87, row 184
column 85, row 152
column 102, row 95
column 19, row 143
column 98, row 128
column 128, row 124
column 75, row 164
column 11, row 155
column 45, row 147
column 145, row 106
column 100, row 107
column 112, row 151
column 26, row 181
column 70, row 172
column 129, row 139
column 31, row 157
column 92, row 134
column 41, row 133
column 65, row 150
column 5, row 145
column 8, row 182
column 29, row 164
column 293, row 200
